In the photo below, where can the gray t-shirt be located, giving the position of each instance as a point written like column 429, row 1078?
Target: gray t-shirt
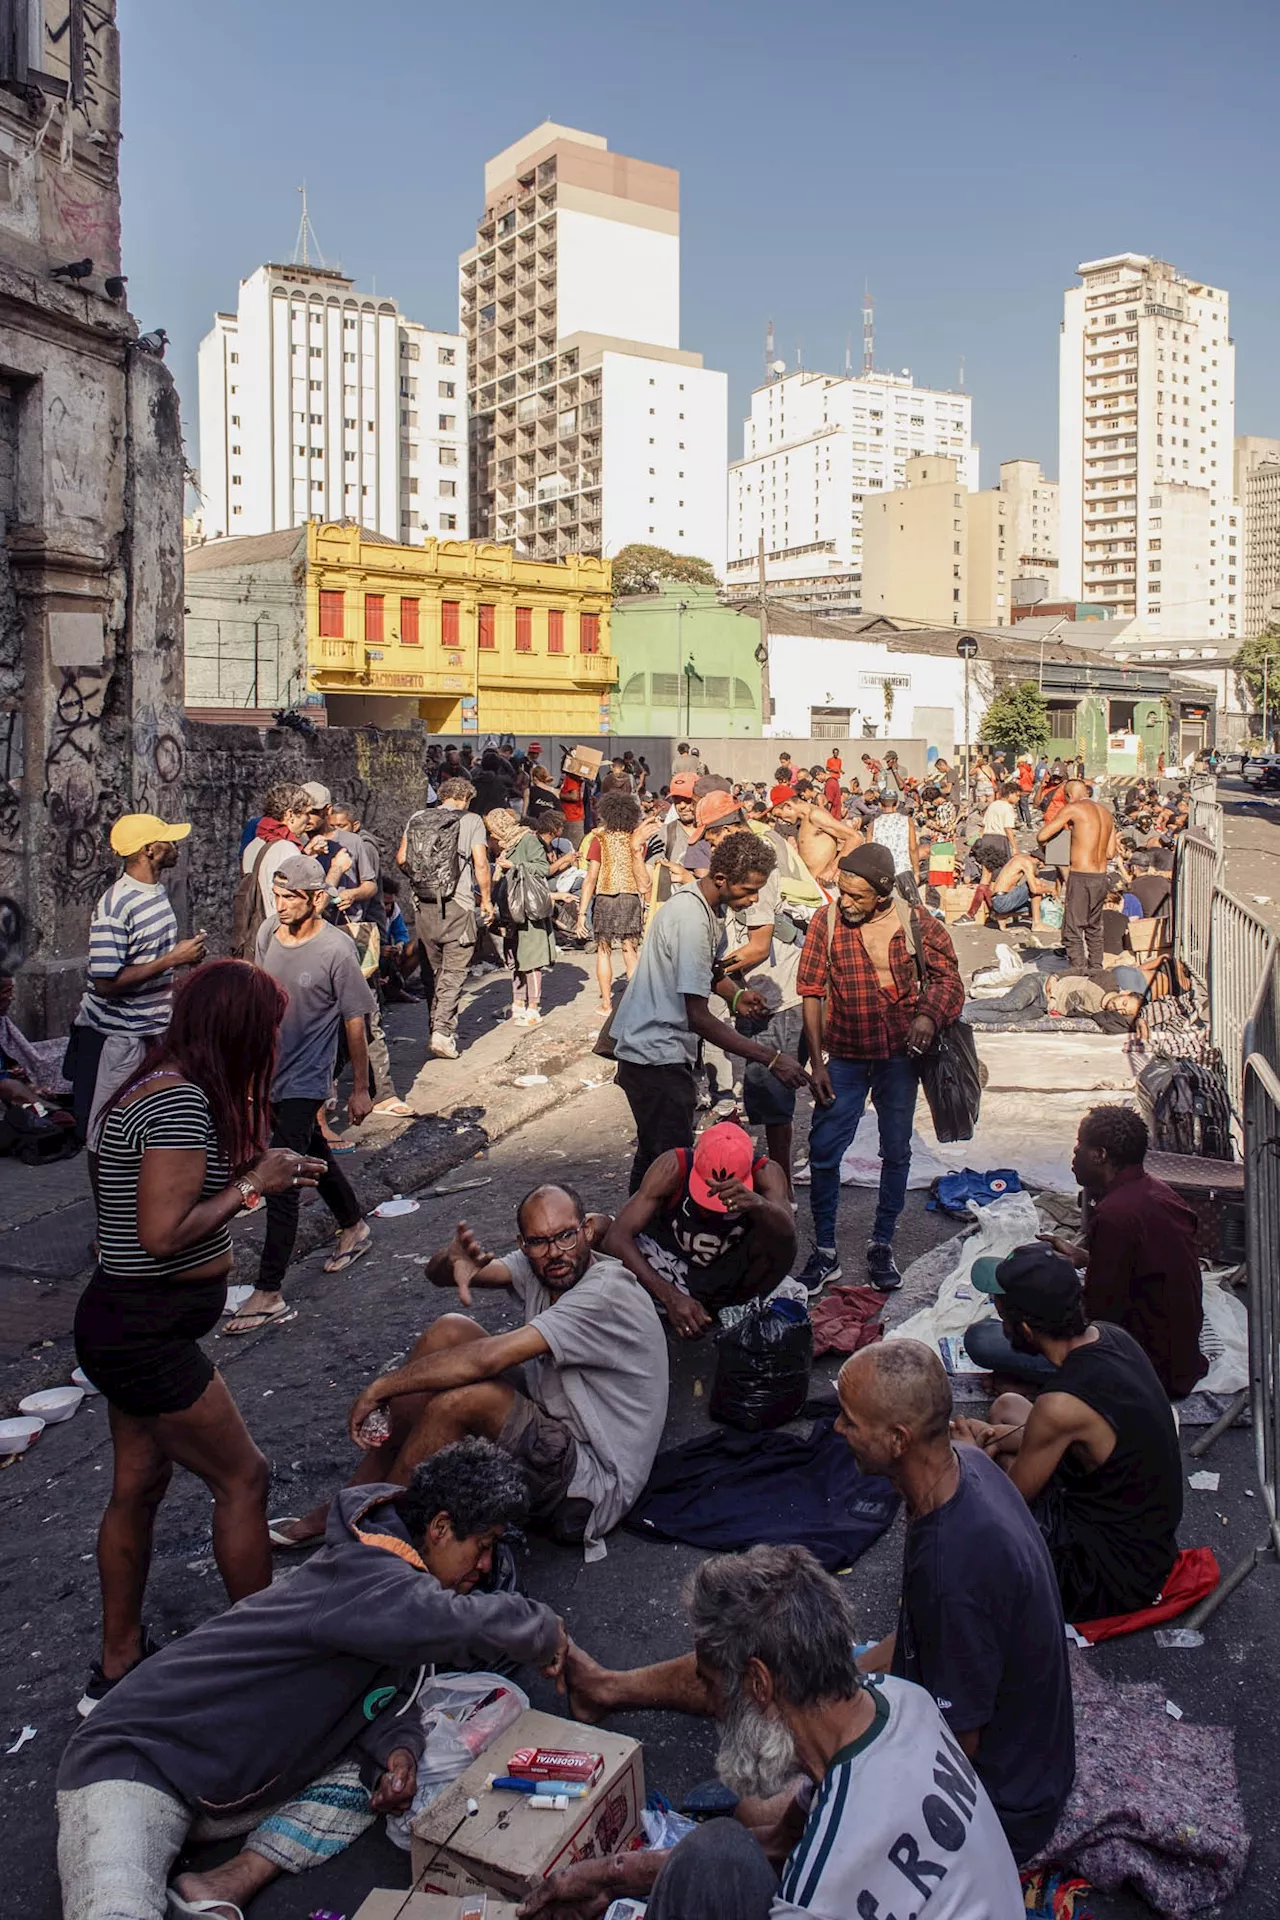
column 325, row 986
column 774, row 977
column 651, row 1026
column 364, row 867
column 605, row 1377
column 471, row 834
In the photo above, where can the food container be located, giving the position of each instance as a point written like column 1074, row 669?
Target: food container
column 80, row 1378
column 53, row 1405
column 17, row 1435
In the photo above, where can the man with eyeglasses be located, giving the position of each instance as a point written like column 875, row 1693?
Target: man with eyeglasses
column 577, row 1396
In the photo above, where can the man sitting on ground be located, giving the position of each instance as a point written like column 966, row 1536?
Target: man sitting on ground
column 1142, row 1267
column 287, row 1718
column 858, row 1789
column 707, row 1229
column 587, row 1422
column 1096, row 1458
column 1010, row 889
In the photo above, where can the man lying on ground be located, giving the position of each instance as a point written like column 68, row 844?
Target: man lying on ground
column 585, row 1419
column 284, row 1718
column 1096, row 1457
column 707, row 1229
column 1032, row 995
column 857, row 1789
column 979, row 1620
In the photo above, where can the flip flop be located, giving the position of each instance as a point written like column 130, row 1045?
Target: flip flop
column 241, row 1323
column 339, row 1262
column 341, row 1146
column 217, row 1909
column 400, row 1109
column 285, row 1541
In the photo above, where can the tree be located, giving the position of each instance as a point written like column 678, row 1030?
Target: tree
column 641, row 569
column 1248, row 664
column 1017, row 719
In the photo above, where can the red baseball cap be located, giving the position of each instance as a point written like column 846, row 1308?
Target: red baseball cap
column 713, row 808
column 723, row 1152
column 681, row 787
column 779, row 795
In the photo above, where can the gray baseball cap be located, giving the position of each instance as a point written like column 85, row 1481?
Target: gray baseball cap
column 301, row 873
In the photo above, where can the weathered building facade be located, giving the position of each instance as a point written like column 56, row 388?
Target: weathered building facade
column 90, row 503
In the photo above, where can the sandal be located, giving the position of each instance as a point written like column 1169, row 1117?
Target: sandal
column 286, row 1541
column 241, row 1323
column 339, row 1262
column 399, row 1108
column 216, row 1909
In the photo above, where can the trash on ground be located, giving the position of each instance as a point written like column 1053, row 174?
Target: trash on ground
column 1178, row 1637
column 53, row 1405
column 530, row 1080
column 80, row 1378
column 28, row 1733
column 460, row 1186
column 1204, row 1482
column 1174, row 1713
column 17, row 1435
column 236, row 1297
column 393, row 1208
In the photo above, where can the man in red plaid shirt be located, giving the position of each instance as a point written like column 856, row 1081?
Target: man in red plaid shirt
column 867, row 1008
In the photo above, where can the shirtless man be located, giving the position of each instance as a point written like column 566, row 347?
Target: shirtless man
column 1093, row 842
column 1015, row 886
column 823, row 839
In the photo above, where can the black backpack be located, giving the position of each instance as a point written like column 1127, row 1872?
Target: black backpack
column 1187, row 1108
column 431, row 857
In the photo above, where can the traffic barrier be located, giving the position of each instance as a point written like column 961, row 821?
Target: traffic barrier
column 1205, row 816
column 1199, row 865
column 1241, row 955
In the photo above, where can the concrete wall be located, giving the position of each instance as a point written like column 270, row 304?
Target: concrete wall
column 246, row 635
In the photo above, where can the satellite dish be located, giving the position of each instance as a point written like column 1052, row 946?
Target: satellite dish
column 778, row 366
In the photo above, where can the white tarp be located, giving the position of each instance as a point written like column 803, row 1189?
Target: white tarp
column 1009, row 1222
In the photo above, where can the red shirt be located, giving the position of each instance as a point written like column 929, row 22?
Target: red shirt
column 571, row 797
column 1144, row 1274
column 1026, row 776
column 861, row 1021
column 831, row 793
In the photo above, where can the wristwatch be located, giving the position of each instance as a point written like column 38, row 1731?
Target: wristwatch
column 250, row 1194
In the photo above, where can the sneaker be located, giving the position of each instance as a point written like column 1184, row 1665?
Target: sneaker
column 882, row 1270
column 444, row 1046
column 965, row 920
column 99, row 1686
column 823, row 1266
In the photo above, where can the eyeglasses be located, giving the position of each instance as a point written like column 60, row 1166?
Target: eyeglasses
column 540, row 1243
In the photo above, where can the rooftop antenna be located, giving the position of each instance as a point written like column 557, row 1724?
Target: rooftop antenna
column 799, row 353
column 306, row 242
column 868, row 332
column 848, row 355
column 770, row 353
column 962, row 373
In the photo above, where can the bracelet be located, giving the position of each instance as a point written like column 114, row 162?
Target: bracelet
column 773, row 1063
column 733, row 1004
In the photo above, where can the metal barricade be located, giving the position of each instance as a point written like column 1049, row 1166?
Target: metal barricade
column 1199, row 863
column 1241, row 953
column 1205, row 817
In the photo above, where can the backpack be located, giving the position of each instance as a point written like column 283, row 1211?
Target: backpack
column 247, row 910
column 431, row 857
column 1187, row 1108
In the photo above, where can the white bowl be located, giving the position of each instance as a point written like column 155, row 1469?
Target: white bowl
column 17, row 1435
column 80, row 1378
column 55, row 1404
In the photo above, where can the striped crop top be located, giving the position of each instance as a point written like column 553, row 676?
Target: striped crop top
column 171, row 1117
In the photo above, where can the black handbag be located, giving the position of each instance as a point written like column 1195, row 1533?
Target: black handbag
column 950, row 1075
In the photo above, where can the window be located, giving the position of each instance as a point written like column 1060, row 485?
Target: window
column 447, row 389
column 348, row 423
column 448, row 422
column 409, row 629
column 235, row 450
column 448, row 489
column 235, row 359
column 449, row 610
column 589, row 633
column 235, row 479
column 317, row 353
column 348, row 325
column 555, row 630
column 330, row 615
column 446, row 356
column 373, row 609
column 486, row 638
column 448, row 456
column 349, row 454
column 448, row 523
column 235, row 419
column 524, row 629
column 237, row 509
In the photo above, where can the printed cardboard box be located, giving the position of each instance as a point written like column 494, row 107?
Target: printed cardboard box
column 584, row 761
column 508, row 1843
column 389, row 1903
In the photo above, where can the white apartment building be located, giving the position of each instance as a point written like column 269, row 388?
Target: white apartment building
column 814, row 445
column 1148, row 522
column 318, row 402
column 1033, row 523
column 591, row 426
column 1257, row 470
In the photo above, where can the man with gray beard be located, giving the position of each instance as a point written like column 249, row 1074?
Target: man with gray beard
column 859, row 1792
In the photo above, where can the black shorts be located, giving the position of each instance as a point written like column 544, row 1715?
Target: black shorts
column 138, row 1343
column 767, row 1101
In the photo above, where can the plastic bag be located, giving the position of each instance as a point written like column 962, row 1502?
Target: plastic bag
column 952, row 1083
column 762, row 1368
column 460, row 1714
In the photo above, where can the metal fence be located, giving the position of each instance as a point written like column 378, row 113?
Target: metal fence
column 1205, row 816
column 1199, row 865
column 1242, row 952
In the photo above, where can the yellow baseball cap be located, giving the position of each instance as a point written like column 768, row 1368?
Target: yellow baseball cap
column 134, row 831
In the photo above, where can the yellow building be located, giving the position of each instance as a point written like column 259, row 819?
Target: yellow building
column 935, row 554
column 467, row 636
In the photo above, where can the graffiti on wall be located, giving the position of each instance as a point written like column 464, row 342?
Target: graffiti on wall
column 80, row 806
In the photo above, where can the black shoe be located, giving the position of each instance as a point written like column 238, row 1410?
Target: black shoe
column 99, row 1686
column 882, row 1269
column 822, row 1268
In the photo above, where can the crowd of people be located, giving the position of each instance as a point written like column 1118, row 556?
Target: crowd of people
column 772, row 941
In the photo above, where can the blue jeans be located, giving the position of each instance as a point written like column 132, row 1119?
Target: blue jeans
column 892, row 1085
column 987, row 1345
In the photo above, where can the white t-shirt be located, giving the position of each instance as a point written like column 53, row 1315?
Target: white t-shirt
column 651, row 1025
column 893, row 830
column 774, row 977
column 275, row 856
column 901, row 1825
column 1000, row 817
column 605, row 1377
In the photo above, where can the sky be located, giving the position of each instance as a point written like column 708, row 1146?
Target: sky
column 959, row 157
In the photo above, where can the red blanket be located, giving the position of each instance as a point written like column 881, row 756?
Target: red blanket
column 1195, row 1573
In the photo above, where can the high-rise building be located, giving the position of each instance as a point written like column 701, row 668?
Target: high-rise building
column 815, row 447
column 1148, row 523
column 1033, row 526
column 318, row 402
column 936, row 555
column 590, row 426
column 1257, row 480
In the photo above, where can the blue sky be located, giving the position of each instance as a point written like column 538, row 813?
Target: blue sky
column 960, row 156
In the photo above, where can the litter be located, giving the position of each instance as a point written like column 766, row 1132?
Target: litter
column 80, row 1378
column 52, row 1406
column 236, row 1297
column 1174, row 1713
column 530, row 1080
column 392, row 1209
column 1204, row 1482
column 28, row 1733
column 1178, row 1637
column 460, row 1186
column 17, row 1435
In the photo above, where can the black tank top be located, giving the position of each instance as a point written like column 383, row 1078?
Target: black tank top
column 1127, row 1510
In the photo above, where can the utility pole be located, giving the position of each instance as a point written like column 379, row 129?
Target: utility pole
column 1266, row 736
column 966, row 647
column 762, row 649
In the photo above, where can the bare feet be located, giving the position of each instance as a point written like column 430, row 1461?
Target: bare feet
column 232, row 1884
column 588, row 1686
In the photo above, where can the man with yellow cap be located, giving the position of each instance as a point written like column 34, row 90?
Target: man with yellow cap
column 133, row 951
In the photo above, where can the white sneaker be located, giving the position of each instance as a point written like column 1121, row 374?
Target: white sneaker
column 444, row 1046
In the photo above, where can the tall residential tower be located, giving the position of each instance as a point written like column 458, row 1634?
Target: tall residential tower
column 590, row 426
column 1148, row 523
column 1258, row 491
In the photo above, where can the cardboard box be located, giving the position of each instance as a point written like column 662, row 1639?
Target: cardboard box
column 957, row 900
column 508, row 1844
column 388, row 1903
column 584, row 761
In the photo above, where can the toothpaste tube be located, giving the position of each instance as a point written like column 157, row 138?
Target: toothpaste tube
column 507, row 1783
column 555, row 1763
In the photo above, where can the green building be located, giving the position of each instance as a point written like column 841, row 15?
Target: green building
column 686, row 665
